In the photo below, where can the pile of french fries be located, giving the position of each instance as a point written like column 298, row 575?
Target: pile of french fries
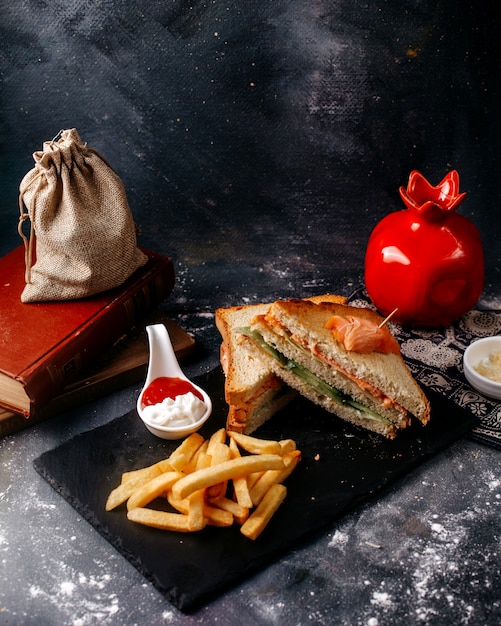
column 225, row 479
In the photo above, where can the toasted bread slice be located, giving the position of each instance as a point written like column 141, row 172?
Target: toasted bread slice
column 252, row 390
column 245, row 373
column 379, row 381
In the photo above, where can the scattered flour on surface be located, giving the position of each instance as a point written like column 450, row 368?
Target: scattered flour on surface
column 339, row 540
column 424, row 561
column 437, row 562
column 67, row 588
column 381, row 598
column 205, row 315
column 270, row 612
column 93, row 606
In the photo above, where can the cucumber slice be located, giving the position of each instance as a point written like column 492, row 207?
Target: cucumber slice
column 311, row 379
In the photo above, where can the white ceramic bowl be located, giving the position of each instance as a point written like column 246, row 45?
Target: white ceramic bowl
column 176, row 432
column 475, row 353
column 163, row 362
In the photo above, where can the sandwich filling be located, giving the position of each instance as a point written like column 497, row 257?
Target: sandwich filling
column 312, row 380
column 260, row 404
column 362, row 335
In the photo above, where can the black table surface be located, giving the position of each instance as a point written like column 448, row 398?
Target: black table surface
column 260, row 143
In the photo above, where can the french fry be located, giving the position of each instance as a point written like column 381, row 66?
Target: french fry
column 234, row 451
column 184, row 452
column 194, row 480
column 240, row 487
column 262, row 485
column 192, row 465
column 220, row 454
column 225, row 471
column 287, row 445
column 253, row 478
column 267, row 479
column 217, row 517
column 241, row 491
column 253, row 445
column 204, row 460
column 122, row 493
column 260, row 517
column 213, row 516
column 119, row 495
column 240, row 513
column 180, row 461
column 147, row 472
column 152, row 489
column 291, row 460
column 196, row 519
column 214, row 492
column 218, row 437
column 160, row 519
column 180, row 505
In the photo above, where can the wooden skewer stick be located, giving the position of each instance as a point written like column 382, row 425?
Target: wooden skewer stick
column 387, row 318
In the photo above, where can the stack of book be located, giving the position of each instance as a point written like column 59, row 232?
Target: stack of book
column 54, row 355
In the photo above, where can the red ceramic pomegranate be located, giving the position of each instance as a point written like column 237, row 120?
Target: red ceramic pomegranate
column 425, row 261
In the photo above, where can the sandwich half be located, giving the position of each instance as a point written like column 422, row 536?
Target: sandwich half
column 253, row 392
column 343, row 358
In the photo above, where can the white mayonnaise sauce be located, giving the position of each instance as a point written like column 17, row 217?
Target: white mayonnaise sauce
column 183, row 410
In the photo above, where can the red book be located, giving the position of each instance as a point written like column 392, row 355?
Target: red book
column 45, row 345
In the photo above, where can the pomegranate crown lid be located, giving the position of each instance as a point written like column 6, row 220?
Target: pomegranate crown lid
column 421, row 196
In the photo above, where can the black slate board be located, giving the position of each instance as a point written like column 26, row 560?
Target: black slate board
column 340, row 467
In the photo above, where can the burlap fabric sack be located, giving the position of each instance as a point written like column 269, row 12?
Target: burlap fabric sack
column 82, row 231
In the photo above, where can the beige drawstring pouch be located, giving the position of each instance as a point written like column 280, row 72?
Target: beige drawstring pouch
column 82, row 238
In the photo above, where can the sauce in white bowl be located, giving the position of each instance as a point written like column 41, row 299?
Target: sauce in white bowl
column 480, row 367
column 170, row 405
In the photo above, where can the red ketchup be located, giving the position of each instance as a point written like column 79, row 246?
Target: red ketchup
column 166, row 387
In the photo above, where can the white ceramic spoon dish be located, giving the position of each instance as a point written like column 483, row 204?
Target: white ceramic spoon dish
column 163, row 362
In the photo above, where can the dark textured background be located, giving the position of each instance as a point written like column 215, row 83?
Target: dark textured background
column 269, row 135
column 259, row 143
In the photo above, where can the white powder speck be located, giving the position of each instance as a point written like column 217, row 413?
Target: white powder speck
column 34, row 591
column 205, row 314
column 268, row 611
column 339, row 540
column 437, row 528
column 67, row 588
column 381, row 598
column 168, row 616
column 372, row 621
column 425, row 614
